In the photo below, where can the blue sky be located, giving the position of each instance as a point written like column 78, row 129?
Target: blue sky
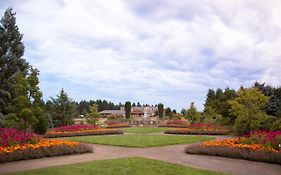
column 150, row 51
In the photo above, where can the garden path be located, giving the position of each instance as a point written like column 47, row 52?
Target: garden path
column 171, row 153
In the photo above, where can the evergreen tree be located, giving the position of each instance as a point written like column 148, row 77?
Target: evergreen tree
column 62, row 109
column 192, row 114
column 11, row 61
column 128, row 109
column 26, row 108
column 168, row 112
column 93, row 116
column 160, row 110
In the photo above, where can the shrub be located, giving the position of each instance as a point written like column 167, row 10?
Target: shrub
column 41, row 126
column 176, row 123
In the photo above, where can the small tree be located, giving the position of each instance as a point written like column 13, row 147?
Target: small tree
column 247, row 108
column 93, row 116
column 168, row 112
column 160, row 110
column 128, row 109
column 192, row 114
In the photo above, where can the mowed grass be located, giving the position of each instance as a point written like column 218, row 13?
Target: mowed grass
column 140, row 140
column 144, row 130
column 125, row 166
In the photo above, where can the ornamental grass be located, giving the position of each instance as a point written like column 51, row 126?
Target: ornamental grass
column 99, row 131
column 259, row 146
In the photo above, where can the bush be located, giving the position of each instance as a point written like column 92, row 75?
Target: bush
column 82, row 133
column 41, row 126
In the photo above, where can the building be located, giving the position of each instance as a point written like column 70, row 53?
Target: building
column 145, row 115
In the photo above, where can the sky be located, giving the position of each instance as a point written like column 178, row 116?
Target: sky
column 150, row 51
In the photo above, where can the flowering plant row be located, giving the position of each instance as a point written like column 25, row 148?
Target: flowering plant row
column 74, row 128
column 43, row 148
column 175, row 124
column 259, row 146
column 11, row 136
column 99, row 131
column 200, row 129
column 117, row 124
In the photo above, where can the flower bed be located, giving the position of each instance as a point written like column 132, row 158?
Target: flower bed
column 15, row 145
column 98, row 131
column 174, row 124
column 73, row 128
column 200, row 129
column 11, row 136
column 117, row 124
column 260, row 146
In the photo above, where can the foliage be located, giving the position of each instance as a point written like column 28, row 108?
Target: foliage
column 247, row 109
column 211, row 116
column 218, row 100
column 276, row 125
column 62, row 109
column 42, row 148
column 26, row 107
column 41, row 126
column 160, row 110
column 127, row 109
column 83, row 107
column 11, row 61
column 141, row 140
column 49, row 120
column 143, row 130
column 192, row 114
column 168, row 112
column 93, row 116
column 274, row 94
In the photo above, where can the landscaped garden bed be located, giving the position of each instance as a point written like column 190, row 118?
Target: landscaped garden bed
column 16, row 145
column 259, row 146
column 80, row 130
column 117, row 124
column 200, row 129
column 174, row 124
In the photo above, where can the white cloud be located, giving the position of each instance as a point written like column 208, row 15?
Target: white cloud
column 151, row 51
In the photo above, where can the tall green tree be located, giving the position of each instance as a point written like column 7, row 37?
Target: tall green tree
column 128, row 109
column 11, row 61
column 247, row 107
column 63, row 109
column 26, row 108
column 160, row 110
column 93, row 116
column 192, row 114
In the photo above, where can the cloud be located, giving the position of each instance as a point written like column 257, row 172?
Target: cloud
column 150, row 51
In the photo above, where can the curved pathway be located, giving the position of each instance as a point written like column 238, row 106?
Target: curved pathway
column 171, row 153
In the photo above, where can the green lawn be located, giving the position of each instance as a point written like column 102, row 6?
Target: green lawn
column 125, row 166
column 144, row 130
column 140, row 140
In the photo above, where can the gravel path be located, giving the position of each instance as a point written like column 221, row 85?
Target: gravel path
column 171, row 153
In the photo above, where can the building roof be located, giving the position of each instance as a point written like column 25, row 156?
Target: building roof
column 120, row 112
